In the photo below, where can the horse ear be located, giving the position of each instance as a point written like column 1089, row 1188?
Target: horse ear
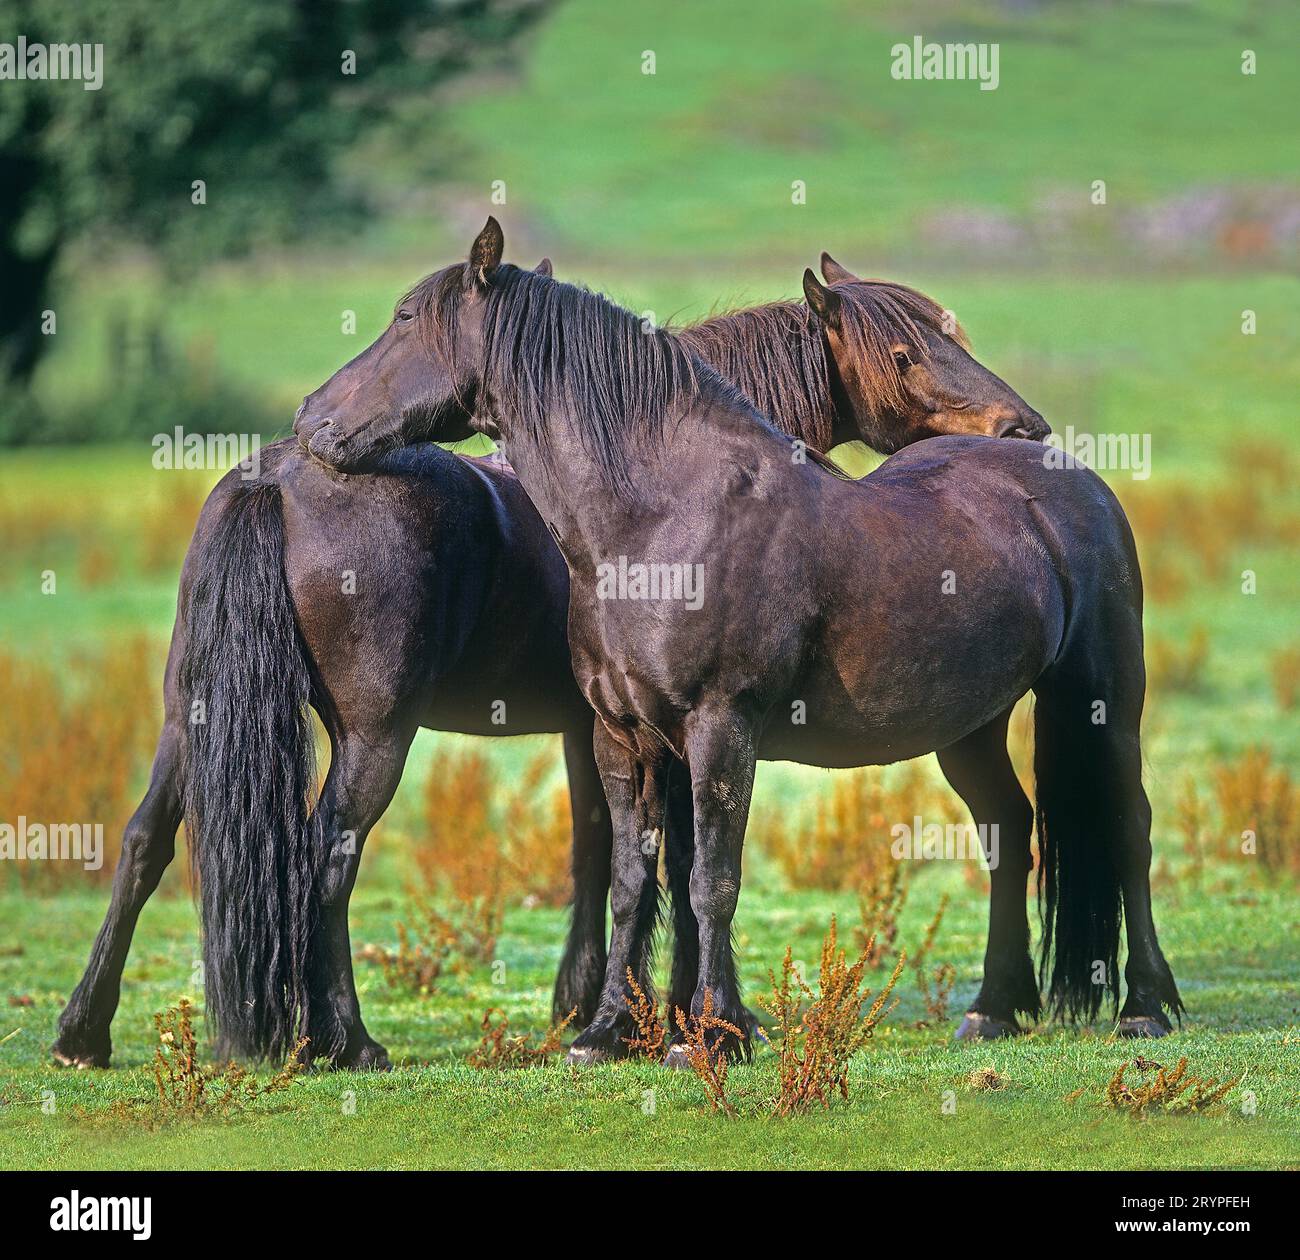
column 825, row 303
column 485, row 253
column 544, row 268
column 833, row 272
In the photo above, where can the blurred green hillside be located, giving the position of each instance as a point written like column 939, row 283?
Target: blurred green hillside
column 673, row 190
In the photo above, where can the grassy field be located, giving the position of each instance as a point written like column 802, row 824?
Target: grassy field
column 672, row 192
column 1231, row 936
column 911, row 1105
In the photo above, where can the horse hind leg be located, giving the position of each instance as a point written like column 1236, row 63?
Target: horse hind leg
column 364, row 773
column 148, row 845
column 980, row 772
column 1152, row 993
column 1095, row 833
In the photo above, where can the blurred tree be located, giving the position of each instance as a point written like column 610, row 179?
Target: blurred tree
column 253, row 97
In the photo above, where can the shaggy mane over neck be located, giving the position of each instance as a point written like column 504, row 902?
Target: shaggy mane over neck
column 776, row 354
column 553, row 348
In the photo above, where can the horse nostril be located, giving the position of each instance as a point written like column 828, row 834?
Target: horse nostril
column 1030, row 426
column 307, row 427
column 1035, row 427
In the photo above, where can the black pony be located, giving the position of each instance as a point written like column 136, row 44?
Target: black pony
column 841, row 623
column 430, row 593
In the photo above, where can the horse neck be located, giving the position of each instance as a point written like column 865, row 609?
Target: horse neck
column 789, row 383
column 570, row 488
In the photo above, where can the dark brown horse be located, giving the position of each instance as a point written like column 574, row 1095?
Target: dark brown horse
column 429, row 593
column 836, row 623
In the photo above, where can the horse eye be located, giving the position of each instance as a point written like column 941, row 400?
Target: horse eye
column 405, row 317
column 902, row 360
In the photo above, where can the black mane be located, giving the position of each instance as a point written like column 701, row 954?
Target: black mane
column 550, row 347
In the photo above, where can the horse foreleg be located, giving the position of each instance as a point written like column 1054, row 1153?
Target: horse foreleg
column 635, row 790
column 720, row 751
column 679, row 858
column 148, row 845
column 582, row 968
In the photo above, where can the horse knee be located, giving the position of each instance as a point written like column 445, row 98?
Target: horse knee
column 714, row 898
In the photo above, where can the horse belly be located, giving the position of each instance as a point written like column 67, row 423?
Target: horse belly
column 904, row 703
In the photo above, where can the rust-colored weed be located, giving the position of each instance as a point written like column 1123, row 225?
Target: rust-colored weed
column 1260, row 803
column 846, row 846
column 166, row 527
column 499, row 1049
column 75, row 747
column 485, row 842
column 1170, row 1090
column 817, row 1034
column 704, row 1043
column 1286, row 677
column 650, row 1031
column 188, row 1089
column 433, row 943
column 935, row 985
column 1190, row 819
column 936, row 991
column 879, row 909
column 1178, row 669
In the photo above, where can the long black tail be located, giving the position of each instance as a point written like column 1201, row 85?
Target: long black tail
column 1080, row 805
column 249, row 779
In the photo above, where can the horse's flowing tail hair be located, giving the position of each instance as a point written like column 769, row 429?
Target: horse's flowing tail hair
column 249, row 780
column 1078, row 807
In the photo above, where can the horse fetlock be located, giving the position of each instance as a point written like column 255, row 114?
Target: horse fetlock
column 605, row 1038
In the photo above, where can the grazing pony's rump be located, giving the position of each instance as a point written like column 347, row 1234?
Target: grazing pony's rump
column 460, row 601
column 900, row 615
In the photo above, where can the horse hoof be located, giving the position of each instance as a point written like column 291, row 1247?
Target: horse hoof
column 370, row 1058
column 978, row 1027
column 585, row 1056
column 80, row 1059
column 676, row 1059
column 1143, row 1026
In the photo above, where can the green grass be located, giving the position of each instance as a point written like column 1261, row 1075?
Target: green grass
column 699, row 157
column 1236, row 970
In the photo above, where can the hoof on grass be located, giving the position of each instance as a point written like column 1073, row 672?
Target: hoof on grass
column 372, row 1057
column 80, row 1057
column 586, row 1056
column 979, row 1027
column 676, row 1060
column 1143, row 1026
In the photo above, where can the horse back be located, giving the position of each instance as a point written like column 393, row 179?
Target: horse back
column 424, row 593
